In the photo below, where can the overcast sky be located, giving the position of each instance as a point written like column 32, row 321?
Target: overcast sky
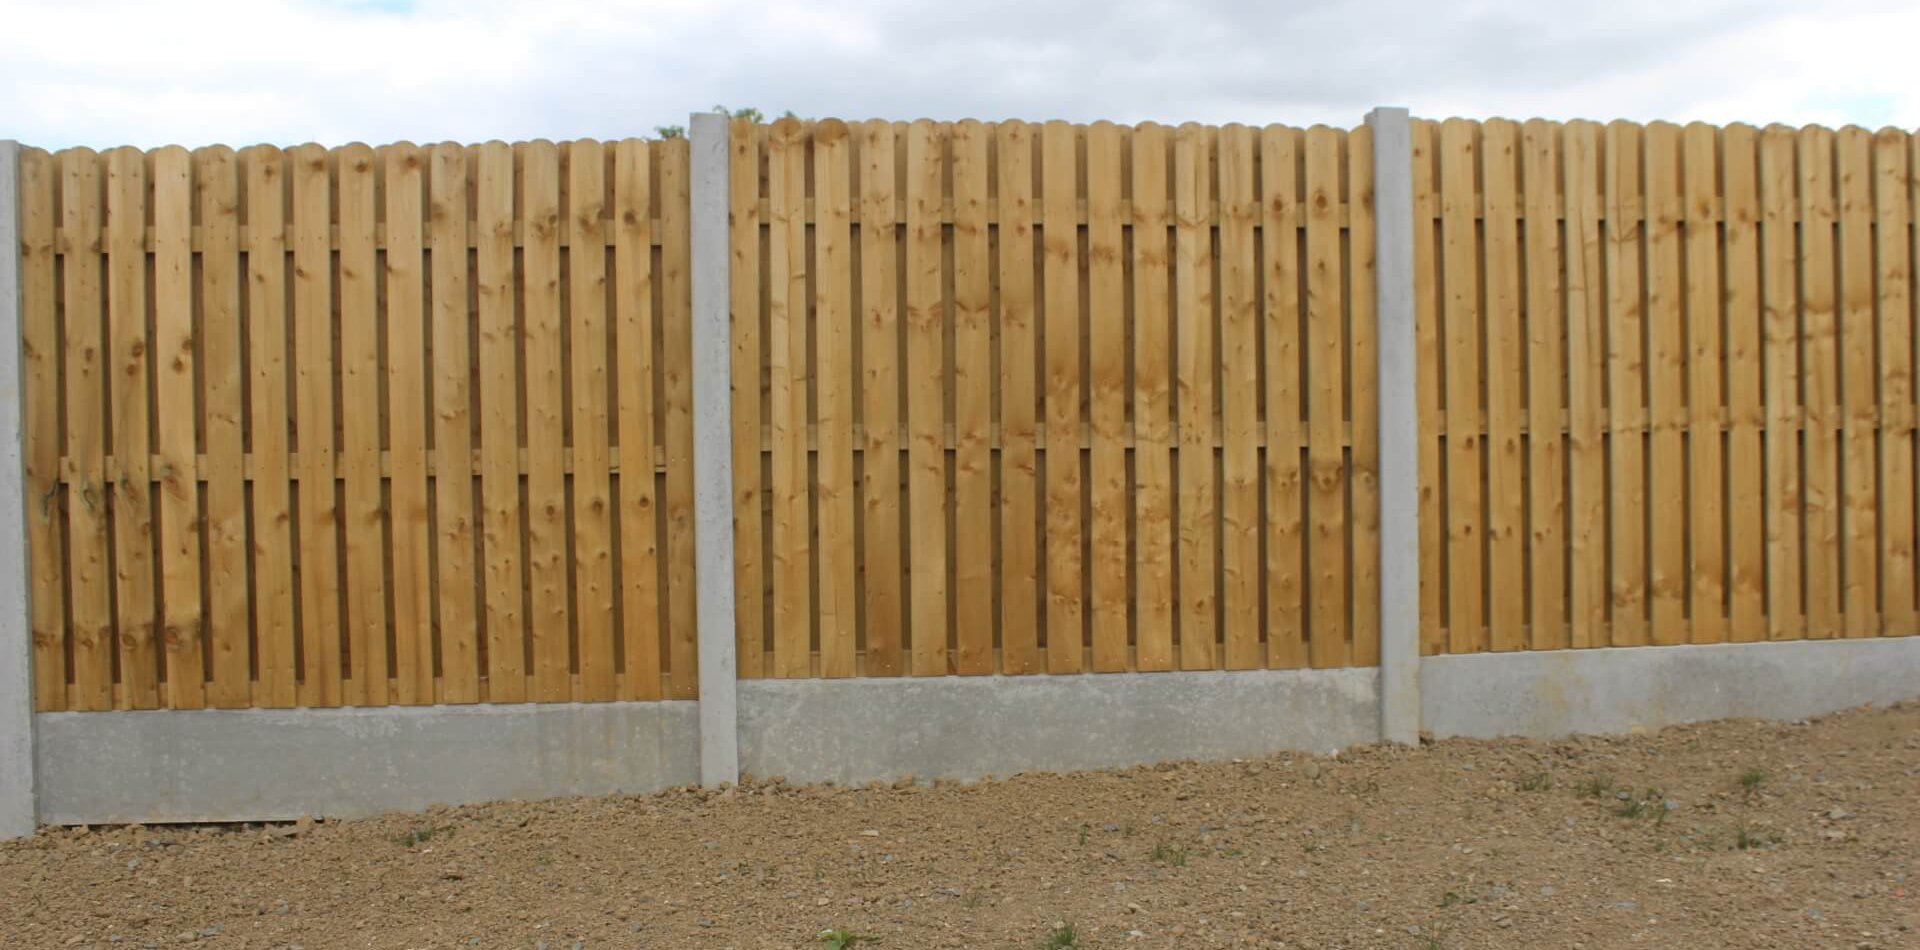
column 196, row 72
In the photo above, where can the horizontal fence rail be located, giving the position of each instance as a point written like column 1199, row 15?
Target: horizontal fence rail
column 1024, row 398
column 358, row 426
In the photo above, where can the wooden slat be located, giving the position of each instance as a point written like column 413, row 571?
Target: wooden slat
column 744, row 146
column 1019, row 503
column 635, row 320
column 1505, row 382
column 1819, row 361
column 1586, row 379
column 547, row 608
column 1107, row 399
column 834, row 382
column 1546, row 373
column 1240, row 421
column 314, row 426
column 1280, row 251
column 1060, row 170
column 1626, row 385
column 404, row 167
column 1328, row 639
column 590, row 397
column 1363, row 357
column 1194, row 394
column 40, row 359
column 1705, row 469
column 676, row 340
column 366, row 569
column 175, row 387
column 1153, row 603
column 1893, row 214
column 1745, row 511
column 1666, row 393
column 456, row 595
column 129, row 406
column 267, row 334
column 880, row 399
column 1860, row 501
column 926, row 375
column 1460, row 316
column 498, row 383
column 89, row 580
column 972, row 403
column 787, row 285
column 1779, row 303
column 1435, row 533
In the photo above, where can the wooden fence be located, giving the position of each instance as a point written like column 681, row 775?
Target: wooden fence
column 1052, row 398
column 1666, row 389
column 361, row 426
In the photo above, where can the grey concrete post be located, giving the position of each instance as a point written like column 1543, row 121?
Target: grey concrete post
column 17, row 817
column 713, row 453
column 1399, row 427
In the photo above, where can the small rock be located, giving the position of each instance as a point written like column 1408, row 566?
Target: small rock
column 1311, row 769
column 1837, row 814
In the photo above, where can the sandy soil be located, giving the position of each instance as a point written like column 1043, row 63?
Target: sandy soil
column 1732, row 834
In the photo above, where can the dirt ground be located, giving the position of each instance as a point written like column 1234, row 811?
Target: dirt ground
column 1731, row 834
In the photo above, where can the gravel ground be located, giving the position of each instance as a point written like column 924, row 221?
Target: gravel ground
column 1730, row 834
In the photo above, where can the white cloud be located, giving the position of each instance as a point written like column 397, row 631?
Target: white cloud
column 106, row 72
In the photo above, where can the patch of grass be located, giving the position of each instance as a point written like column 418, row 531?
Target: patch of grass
column 1083, row 835
column 1164, row 853
column 1751, row 780
column 840, row 938
column 1631, row 808
column 1595, row 786
column 423, row 834
column 1453, row 899
column 1536, row 782
column 1061, row 937
column 1747, row 839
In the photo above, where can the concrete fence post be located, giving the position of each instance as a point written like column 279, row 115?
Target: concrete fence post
column 713, row 453
column 17, row 813
column 1399, row 427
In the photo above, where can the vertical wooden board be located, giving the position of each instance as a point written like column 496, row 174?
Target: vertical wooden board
column 1280, row 212
column 406, row 411
column 926, row 400
column 834, row 382
column 129, row 401
column 676, row 341
column 593, row 589
column 1820, row 389
column 1107, row 398
column 314, row 427
column 880, row 397
column 1461, row 316
column 787, row 285
column 744, row 145
column 1703, row 371
column 268, row 343
column 1326, row 384
column 461, row 609
column 1893, row 215
column 359, row 331
column 1745, row 515
column 1626, row 383
column 1505, row 379
column 1194, row 392
column 1586, row 381
column 546, row 476
column 40, row 359
column 634, row 370
column 1363, row 356
column 1153, row 603
column 973, row 404
column 1435, row 535
column 1780, row 335
column 1240, row 421
column 1546, row 373
column 88, row 565
column 1666, row 392
column 1059, row 176
column 499, row 388
column 1860, row 417
column 1019, row 501
column 175, row 390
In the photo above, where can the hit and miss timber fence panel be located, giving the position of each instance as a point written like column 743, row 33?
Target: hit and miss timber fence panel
column 361, row 426
column 1019, row 398
column 1666, row 389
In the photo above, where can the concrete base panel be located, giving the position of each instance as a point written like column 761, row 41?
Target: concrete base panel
column 859, row 730
column 256, row 764
column 1622, row 689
